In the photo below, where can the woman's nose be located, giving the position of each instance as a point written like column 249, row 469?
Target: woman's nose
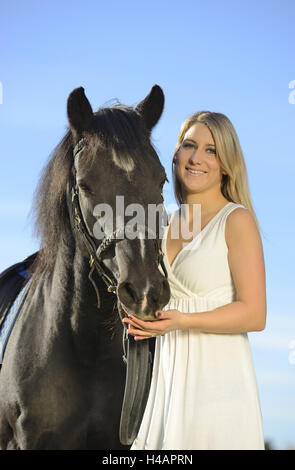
column 196, row 156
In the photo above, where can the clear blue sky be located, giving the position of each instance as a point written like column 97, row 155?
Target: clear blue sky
column 231, row 57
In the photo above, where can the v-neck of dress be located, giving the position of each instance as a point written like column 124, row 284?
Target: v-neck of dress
column 189, row 243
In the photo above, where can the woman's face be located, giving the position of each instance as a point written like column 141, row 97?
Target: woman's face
column 198, row 167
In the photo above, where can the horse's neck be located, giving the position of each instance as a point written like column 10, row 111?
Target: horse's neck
column 73, row 294
column 68, row 301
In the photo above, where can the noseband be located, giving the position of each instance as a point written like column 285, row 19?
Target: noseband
column 138, row 357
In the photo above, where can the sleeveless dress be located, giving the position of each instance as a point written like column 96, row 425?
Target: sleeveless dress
column 203, row 393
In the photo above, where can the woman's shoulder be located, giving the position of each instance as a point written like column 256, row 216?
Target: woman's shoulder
column 238, row 212
column 240, row 223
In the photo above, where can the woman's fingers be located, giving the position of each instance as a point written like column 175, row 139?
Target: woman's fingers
column 169, row 320
column 140, row 333
column 141, row 329
column 153, row 326
column 146, row 325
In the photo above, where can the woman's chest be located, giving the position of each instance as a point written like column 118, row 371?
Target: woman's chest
column 180, row 237
column 200, row 265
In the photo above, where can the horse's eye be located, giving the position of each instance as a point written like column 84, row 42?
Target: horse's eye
column 83, row 187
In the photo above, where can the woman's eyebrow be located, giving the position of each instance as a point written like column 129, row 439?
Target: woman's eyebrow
column 192, row 140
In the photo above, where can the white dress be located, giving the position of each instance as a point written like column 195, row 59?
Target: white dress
column 203, row 393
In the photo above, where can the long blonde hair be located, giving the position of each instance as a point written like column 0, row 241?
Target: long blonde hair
column 234, row 185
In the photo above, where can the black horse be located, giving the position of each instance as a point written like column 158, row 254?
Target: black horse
column 62, row 378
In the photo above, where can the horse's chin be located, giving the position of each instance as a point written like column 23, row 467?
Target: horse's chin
column 146, row 317
column 142, row 317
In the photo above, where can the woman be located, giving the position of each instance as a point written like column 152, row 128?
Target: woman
column 203, row 393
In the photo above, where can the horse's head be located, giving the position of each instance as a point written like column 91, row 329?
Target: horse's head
column 118, row 181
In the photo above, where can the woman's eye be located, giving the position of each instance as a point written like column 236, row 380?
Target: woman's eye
column 189, row 145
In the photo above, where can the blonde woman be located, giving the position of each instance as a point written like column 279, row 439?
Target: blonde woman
column 203, row 393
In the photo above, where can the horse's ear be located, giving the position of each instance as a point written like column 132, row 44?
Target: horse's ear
column 80, row 113
column 151, row 107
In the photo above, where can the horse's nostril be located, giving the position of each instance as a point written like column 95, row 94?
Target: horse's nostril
column 127, row 290
column 140, row 300
column 130, row 290
column 157, row 291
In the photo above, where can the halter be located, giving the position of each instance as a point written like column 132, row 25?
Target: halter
column 138, row 356
column 116, row 236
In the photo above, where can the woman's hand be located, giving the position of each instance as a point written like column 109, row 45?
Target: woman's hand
column 169, row 320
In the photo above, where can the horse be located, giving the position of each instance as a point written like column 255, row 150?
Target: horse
column 62, row 377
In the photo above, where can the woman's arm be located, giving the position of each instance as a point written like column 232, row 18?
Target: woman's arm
column 246, row 262
column 248, row 312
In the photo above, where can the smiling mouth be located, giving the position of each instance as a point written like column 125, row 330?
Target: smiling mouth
column 196, row 172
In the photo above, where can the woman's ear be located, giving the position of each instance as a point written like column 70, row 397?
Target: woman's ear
column 175, row 154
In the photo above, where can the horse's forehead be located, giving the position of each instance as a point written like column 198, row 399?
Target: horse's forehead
column 125, row 162
column 110, row 161
column 105, row 161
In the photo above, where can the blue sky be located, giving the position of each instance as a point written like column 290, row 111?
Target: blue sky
column 231, row 57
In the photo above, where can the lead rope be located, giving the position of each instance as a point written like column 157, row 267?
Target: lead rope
column 125, row 334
